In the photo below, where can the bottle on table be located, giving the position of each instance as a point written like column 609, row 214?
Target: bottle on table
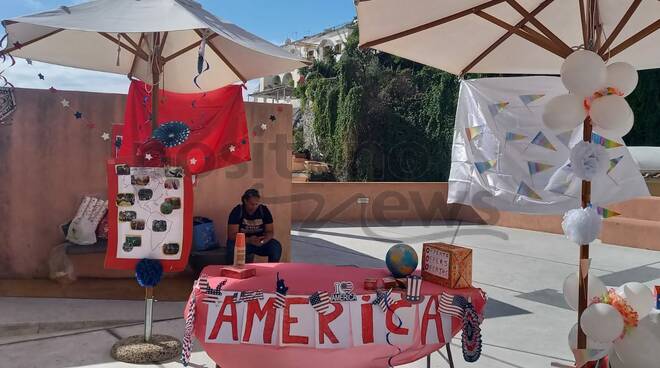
column 239, row 250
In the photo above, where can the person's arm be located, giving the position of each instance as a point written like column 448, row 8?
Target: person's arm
column 269, row 229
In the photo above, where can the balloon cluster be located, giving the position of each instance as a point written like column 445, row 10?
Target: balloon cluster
column 596, row 90
column 611, row 320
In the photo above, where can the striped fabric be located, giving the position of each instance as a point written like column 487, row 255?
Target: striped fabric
column 211, row 295
column 246, row 296
column 187, row 343
column 454, row 305
column 414, row 288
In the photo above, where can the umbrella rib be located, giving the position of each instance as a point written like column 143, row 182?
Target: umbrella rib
column 520, row 9
column 526, row 18
column 188, row 48
column 635, row 38
column 624, row 20
column 135, row 57
column 525, row 32
column 124, row 46
column 23, row 44
column 432, row 24
column 223, row 58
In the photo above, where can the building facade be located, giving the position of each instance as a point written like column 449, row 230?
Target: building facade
column 279, row 88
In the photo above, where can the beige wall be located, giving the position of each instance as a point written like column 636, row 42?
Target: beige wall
column 49, row 160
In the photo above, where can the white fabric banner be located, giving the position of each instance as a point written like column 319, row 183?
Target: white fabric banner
column 504, row 157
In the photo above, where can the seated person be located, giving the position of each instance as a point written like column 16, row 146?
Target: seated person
column 254, row 220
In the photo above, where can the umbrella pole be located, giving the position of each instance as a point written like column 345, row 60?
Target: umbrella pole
column 154, row 99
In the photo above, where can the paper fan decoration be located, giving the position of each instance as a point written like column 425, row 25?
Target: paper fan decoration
column 172, row 134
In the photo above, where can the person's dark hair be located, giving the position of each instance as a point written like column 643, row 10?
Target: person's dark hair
column 250, row 193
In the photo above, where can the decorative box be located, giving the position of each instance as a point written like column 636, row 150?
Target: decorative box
column 447, row 265
column 237, row 272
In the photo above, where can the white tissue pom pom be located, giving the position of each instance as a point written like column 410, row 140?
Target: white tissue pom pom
column 582, row 225
column 588, row 160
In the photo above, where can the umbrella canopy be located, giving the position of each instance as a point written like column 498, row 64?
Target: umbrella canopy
column 122, row 36
column 509, row 36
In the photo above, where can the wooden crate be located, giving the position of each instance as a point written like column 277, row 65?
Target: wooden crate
column 447, row 265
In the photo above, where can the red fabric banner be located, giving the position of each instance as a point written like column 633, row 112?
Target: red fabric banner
column 218, row 127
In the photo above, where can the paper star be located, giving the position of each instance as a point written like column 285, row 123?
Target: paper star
column 232, row 148
column 193, row 161
column 105, row 136
column 272, row 118
column 41, row 76
column 148, row 156
column 64, row 102
column 264, row 126
column 78, row 115
column 29, row 61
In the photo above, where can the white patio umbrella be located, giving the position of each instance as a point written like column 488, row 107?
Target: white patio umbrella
column 509, row 36
column 156, row 41
column 515, row 37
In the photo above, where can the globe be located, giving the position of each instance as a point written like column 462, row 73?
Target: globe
column 401, row 260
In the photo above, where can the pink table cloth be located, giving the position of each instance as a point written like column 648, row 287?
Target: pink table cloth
column 304, row 280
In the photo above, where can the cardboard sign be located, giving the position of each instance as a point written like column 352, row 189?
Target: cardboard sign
column 224, row 321
column 297, row 327
column 333, row 330
column 260, row 322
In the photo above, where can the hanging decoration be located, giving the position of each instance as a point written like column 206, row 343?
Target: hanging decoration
column 588, row 160
column 189, row 332
column 606, row 213
column 7, row 104
column 172, row 133
column 320, row 301
column 148, row 272
column 527, row 191
column 582, row 225
column 471, row 342
column 541, row 140
column 498, row 107
column 202, row 64
column 484, row 166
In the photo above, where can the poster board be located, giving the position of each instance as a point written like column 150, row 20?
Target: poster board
column 150, row 216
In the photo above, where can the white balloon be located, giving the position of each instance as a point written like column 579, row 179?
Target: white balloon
column 564, row 112
column 571, row 291
column 639, row 297
column 622, row 76
column 583, row 73
column 612, row 113
column 639, row 349
column 597, row 350
column 602, row 322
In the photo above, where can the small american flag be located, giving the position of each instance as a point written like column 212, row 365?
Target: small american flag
column 246, row 296
column 320, row 301
column 454, row 305
column 383, row 299
column 211, row 295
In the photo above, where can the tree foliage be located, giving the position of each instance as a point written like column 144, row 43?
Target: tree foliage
column 378, row 117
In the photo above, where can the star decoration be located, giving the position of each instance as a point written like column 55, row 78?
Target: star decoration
column 148, row 156
column 232, row 148
column 18, row 45
column 64, row 102
column 264, row 126
column 29, row 61
column 105, row 136
column 272, row 118
column 78, row 115
column 193, row 161
column 41, row 76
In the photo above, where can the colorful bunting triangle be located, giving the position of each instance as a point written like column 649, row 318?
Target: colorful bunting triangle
column 605, row 213
column 537, row 167
column 541, row 140
column 527, row 99
column 510, row 136
column 497, row 108
column 474, row 132
column 486, row 165
column 607, row 143
column 560, row 188
column 565, row 137
column 613, row 162
column 525, row 190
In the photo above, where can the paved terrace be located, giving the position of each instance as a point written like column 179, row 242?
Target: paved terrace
column 522, row 272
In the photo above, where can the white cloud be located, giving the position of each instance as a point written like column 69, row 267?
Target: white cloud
column 24, row 75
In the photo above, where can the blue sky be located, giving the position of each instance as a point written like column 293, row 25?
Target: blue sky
column 272, row 20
